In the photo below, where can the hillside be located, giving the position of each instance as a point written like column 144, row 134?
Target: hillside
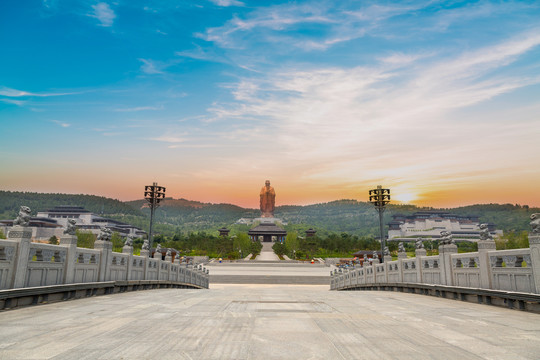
column 10, row 201
column 183, row 216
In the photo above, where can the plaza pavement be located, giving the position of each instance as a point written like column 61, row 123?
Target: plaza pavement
column 267, row 322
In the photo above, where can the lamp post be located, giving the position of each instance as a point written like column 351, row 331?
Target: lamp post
column 153, row 194
column 380, row 197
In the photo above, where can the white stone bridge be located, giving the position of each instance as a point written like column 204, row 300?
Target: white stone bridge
column 272, row 321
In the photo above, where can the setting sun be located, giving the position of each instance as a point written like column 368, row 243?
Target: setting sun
column 404, row 197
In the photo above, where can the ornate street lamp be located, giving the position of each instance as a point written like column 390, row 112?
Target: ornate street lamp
column 153, row 194
column 380, row 197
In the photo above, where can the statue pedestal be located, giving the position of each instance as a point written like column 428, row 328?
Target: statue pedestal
column 268, row 220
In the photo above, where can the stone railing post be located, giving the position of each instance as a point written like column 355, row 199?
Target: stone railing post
column 158, row 255
column 105, row 259
column 419, row 253
column 534, row 244
column 128, row 250
column 387, row 259
column 445, row 259
column 146, row 255
column 22, row 235
column 376, row 277
column 486, row 277
column 70, row 243
column 401, row 256
column 168, row 260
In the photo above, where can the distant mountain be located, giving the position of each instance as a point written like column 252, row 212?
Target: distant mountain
column 181, row 215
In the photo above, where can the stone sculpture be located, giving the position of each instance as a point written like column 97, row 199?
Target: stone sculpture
column 484, row 233
column 23, row 218
column 535, row 223
column 105, row 234
column 365, row 259
column 70, row 227
column 401, row 247
column 375, row 255
column 169, row 252
column 146, row 245
column 386, row 251
column 158, row 248
column 129, row 241
column 446, row 238
column 267, row 200
column 419, row 244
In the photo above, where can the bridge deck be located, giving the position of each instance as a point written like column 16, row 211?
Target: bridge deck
column 267, row 322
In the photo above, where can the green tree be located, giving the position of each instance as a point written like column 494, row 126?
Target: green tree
column 117, row 241
column 279, row 248
column 255, row 248
column 53, row 240
column 2, row 236
column 292, row 243
column 85, row 239
column 242, row 243
column 513, row 240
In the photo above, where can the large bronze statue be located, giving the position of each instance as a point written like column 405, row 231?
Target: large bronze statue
column 268, row 200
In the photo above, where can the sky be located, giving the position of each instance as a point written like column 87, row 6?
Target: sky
column 438, row 101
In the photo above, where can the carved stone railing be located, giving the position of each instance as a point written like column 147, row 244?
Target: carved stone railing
column 26, row 264
column 512, row 270
column 466, row 269
column 515, row 270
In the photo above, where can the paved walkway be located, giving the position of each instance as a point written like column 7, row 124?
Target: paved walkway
column 267, row 322
column 267, row 254
column 260, row 272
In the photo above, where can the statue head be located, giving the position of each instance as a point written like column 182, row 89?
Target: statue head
column 267, row 183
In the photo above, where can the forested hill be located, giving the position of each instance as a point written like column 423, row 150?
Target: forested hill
column 10, row 202
column 181, row 215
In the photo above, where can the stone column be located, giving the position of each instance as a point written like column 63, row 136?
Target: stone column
column 484, row 264
column 377, row 278
column 158, row 255
column 105, row 247
column 168, row 260
column 22, row 235
column 70, row 243
column 419, row 253
column 534, row 244
column 387, row 259
column 445, row 260
column 146, row 255
column 401, row 256
column 128, row 250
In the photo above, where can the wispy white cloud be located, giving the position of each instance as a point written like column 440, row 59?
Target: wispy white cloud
column 13, row 101
column 9, row 92
column 140, row 108
column 103, row 12
column 274, row 18
column 226, row 3
column 151, row 67
column 61, row 123
column 335, row 25
column 329, row 122
column 170, row 138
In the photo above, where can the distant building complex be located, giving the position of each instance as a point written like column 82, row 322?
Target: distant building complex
column 51, row 223
column 431, row 223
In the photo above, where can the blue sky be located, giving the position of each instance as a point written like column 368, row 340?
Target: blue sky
column 436, row 100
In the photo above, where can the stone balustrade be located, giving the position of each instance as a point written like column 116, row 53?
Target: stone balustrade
column 516, row 270
column 25, row 264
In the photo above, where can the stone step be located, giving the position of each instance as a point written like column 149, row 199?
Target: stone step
column 282, row 263
column 269, row 279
